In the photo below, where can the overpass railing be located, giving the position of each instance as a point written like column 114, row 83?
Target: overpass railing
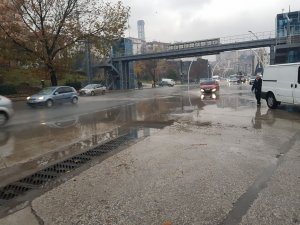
column 199, row 43
column 294, row 36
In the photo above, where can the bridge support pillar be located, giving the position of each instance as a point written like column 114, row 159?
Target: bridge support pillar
column 124, row 77
column 272, row 55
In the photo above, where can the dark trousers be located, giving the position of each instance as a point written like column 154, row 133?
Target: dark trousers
column 258, row 96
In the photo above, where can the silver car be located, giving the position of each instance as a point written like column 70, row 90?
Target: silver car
column 53, row 95
column 93, row 89
column 6, row 110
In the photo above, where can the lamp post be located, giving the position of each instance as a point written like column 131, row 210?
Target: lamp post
column 251, row 32
column 208, row 66
column 265, row 52
column 188, row 77
column 213, row 70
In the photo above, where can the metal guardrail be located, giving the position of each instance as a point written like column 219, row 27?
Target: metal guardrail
column 247, row 37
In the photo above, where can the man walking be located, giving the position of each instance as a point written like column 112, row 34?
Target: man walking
column 257, row 88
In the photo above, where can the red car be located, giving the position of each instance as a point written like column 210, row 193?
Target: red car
column 209, row 86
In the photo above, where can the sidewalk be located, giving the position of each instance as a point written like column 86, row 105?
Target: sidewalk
column 193, row 172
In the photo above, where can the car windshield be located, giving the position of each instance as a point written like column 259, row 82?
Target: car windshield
column 90, row 86
column 208, row 82
column 47, row 91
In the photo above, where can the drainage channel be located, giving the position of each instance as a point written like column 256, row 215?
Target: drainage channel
column 13, row 194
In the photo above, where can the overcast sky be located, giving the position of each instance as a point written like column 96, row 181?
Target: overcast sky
column 188, row 20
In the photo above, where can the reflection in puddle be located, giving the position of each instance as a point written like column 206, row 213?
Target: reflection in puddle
column 32, row 148
column 7, row 143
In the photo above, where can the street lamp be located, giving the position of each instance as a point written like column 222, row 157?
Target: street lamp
column 188, row 77
column 208, row 71
column 213, row 70
column 253, row 34
column 265, row 52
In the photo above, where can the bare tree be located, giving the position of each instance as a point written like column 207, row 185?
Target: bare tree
column 44, row 28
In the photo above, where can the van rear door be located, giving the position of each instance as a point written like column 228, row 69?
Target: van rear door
column 285, row 80
column 297, row 88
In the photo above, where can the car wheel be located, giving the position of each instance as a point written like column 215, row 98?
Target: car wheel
column 92, row 93
column 271, row 101
column 74, row 100
column 49, row 103
column 3, row 118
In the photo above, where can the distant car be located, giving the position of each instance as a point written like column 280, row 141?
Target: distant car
column 6, row 110
column 209, row 86
column 93, row 89
column 233, row 79
column 241, row 79
column 210, row 98
column 167, row 82
column 216, row 78
column 251, row 80
column 53, row 95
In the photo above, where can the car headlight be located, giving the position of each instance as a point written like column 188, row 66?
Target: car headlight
column 28, row 98
column 202, row 90
column 213, row 96
column 202, row 97
column 41, row 98
column 213, row 90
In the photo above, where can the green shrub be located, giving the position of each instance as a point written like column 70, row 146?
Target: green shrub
column 7, row 89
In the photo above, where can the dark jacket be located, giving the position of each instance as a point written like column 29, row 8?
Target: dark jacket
column 257, row 85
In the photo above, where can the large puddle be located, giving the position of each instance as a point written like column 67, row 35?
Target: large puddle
column 27, row 150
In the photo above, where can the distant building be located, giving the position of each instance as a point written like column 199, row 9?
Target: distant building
column 138, row 45
column 236, row 61
column 141, row 29
column 288, row 35
column 156, row 46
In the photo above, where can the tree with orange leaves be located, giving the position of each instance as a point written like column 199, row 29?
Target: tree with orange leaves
column 44, row 28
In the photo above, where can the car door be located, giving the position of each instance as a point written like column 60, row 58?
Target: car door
column 98, row 89
column 58, row 95
column 296, row 93
column 285, row 84
column 68, row 93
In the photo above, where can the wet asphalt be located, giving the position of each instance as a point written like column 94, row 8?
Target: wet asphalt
column 213, row 159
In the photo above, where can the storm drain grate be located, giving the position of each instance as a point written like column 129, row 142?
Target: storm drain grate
column 48, row 174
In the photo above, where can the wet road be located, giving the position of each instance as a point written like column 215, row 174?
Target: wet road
column 38, row 137
column 34, row 134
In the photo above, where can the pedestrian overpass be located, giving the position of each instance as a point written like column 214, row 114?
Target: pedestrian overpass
column 120, row 62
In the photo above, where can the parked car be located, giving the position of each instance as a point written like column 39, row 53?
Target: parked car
column 216, row 78
column 93, row 89
column 53, row 95
column 167, row 82
column 6, row 110
column 209, row 86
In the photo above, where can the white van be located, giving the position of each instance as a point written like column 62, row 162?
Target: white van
column 167, row 82
column 281, row 84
